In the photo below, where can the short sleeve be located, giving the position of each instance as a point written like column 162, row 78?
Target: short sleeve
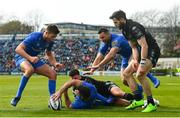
column 137, row 32
column 29, row 40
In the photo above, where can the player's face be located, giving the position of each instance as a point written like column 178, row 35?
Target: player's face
column 50, row 36
column 118, row 23
column 76, row 77
column 104, row 37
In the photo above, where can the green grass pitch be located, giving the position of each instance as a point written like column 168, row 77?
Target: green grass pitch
column 35, row 99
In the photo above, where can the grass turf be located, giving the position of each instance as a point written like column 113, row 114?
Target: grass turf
column 35, row 98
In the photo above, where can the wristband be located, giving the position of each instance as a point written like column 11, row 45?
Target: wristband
column 143, row 61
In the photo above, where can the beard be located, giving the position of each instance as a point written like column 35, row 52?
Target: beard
column 121, row 26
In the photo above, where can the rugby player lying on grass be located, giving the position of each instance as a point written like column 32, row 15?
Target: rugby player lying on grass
column 86, row 95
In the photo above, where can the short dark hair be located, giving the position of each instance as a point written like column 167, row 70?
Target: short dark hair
column 103, row 30
column 84, row 92
column 52, row 29
column 118, row 14
column 73, row 72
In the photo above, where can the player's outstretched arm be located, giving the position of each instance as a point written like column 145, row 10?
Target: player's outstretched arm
column 65, row 87
column 98, row 59
column 51, row 57
column 67, row 100
column 107, row 58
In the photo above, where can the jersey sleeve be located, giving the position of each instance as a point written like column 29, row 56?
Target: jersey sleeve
column 137, row 32
column 116, row 43
column 29, row 40
column 103, row 48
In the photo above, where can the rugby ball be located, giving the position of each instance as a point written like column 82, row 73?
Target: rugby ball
column 55, row 105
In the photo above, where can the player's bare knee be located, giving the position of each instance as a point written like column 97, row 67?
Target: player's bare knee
column 29, row 71
column 52, row 75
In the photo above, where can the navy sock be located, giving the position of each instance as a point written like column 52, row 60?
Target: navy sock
column 137, row 95
column 151, row 77
column 140, row 88
column 52, row 86
column 22, row 85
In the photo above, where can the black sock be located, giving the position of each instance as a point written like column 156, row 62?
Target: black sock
column 150, row 100
column 128, row 96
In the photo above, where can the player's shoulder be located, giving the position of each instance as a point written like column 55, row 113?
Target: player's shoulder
column 118, row 38
column 86, row 77
column 133, row 25
column 35, row 34
column 87, row 84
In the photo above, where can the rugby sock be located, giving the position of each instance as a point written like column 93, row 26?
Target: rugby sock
column 152, row 78
column 52, row 86
column 150, row 100
column 137, row 95
column 22, row 85
column 128, row 96
column 140, row 88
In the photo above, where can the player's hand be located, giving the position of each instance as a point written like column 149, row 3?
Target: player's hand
column 58, row 66
column 34, row 59
column 94, row 67
column 56, row 96
column 88, row 73
column 135, row 65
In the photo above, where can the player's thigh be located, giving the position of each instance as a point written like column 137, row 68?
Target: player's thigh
column 121, row 102
column 129, row 69
column 47, row 71
column 144, row 69
column 116, row 91
column 26, row 67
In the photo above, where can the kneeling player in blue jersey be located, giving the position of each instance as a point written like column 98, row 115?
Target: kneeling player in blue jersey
column 27, row 60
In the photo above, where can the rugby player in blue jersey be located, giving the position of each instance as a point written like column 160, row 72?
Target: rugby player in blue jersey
column 117, row 45
column 27, row 59
column 86, row 95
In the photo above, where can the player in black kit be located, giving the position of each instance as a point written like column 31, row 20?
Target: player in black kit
column 145, row 55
